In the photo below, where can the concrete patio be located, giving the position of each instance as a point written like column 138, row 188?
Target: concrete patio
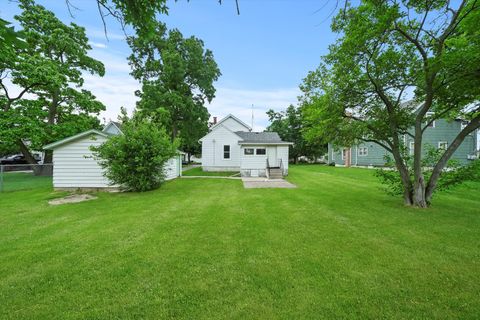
column 252, row 183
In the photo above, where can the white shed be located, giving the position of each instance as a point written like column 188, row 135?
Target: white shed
column 74, row 166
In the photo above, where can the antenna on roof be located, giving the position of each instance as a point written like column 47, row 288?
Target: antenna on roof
column 252, row 117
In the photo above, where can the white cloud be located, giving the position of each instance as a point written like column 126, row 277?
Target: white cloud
column 114, row 92
column 239, row 103
column 96, row 33
column 97, row 45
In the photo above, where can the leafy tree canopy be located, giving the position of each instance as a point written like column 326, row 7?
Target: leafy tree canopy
column 177, row 76
column 49, row 67
column 290, row 127
column 387, row 51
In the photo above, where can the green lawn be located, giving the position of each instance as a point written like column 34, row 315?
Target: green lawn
column 199, row 172
column 13, row 181
column 335, row 247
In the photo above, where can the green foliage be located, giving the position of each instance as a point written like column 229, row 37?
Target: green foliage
column 49, row 65
column 452, row 176
column 290, row 127
column 384, row 52
column 135, row 159
column 177, row 76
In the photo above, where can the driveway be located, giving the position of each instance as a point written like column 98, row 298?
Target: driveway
column 252, row 183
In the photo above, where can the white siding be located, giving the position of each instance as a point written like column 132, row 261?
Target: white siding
column 234, row 125
column 74, row 166
column 282, row 153
column 173, row 168
column 212, row 150
column 253, row 165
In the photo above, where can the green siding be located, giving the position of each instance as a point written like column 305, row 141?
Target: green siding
column 443, row 131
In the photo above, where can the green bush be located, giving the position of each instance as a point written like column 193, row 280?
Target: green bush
column 135, row 159
column 454, row 174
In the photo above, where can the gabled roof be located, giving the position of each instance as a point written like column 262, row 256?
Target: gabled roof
column 56, row 144
column 115, row 124
column 260, row 137
column 234, row 118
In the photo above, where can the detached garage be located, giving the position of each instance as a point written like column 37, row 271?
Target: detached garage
column 74, row 166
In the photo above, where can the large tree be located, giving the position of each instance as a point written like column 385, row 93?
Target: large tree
column 49, row 67
column 388, row 51
column 177, row 77
column 290, row 126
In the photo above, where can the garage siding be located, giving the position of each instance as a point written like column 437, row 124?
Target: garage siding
column 74, row 166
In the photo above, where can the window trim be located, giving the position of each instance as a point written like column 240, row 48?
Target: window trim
column 364, row 154
column 442, row 142
column 264, row 149
column 252, row 154
column 229, row 152
column 432, row 125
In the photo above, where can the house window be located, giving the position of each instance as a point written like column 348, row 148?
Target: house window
column 226, row 152
column 429, row 115
column 261, row 151
column 248, row 151
column 443, row 145
column 463, row 124
column 412, row 147
column 363, row 151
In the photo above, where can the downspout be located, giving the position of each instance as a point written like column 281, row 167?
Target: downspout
column 214, row 149
column 356, row 155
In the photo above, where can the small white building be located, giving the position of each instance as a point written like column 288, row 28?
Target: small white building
column 74, row 166
column 232, row 146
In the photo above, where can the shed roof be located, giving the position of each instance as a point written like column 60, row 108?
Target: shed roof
column 260, row 137
column 56, row 144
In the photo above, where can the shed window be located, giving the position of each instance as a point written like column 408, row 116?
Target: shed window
column 363, row 151
column 248, row 151
column 226, row 152
column 261, row 151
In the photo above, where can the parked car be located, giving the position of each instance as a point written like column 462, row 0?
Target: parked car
column 16, row 159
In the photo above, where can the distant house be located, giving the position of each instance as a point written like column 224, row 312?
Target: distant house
column 75, row 168
column 439, row 134
column 232, row 146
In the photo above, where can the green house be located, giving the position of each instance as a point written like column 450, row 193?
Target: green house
column 439, row 135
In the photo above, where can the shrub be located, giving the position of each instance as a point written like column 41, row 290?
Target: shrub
column 135, row 159
column 454, row 174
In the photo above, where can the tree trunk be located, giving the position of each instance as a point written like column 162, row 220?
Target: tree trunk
column 189, row 156
column 419, row 199
column 404, row 176
column 26, row 153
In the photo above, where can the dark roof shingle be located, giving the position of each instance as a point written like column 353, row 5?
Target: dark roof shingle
column 259, row 137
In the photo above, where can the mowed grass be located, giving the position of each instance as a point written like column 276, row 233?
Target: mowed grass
column 13, row 181
column 335, row 247
column 197, row 171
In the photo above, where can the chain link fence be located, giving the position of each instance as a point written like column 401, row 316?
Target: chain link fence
column 14, row 177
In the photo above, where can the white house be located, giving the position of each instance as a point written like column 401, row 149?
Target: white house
column 74, row 166
column 232, row 146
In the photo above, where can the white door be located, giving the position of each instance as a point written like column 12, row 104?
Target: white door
column 272, row 157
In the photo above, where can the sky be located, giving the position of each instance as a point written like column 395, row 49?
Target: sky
column 263, row 53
